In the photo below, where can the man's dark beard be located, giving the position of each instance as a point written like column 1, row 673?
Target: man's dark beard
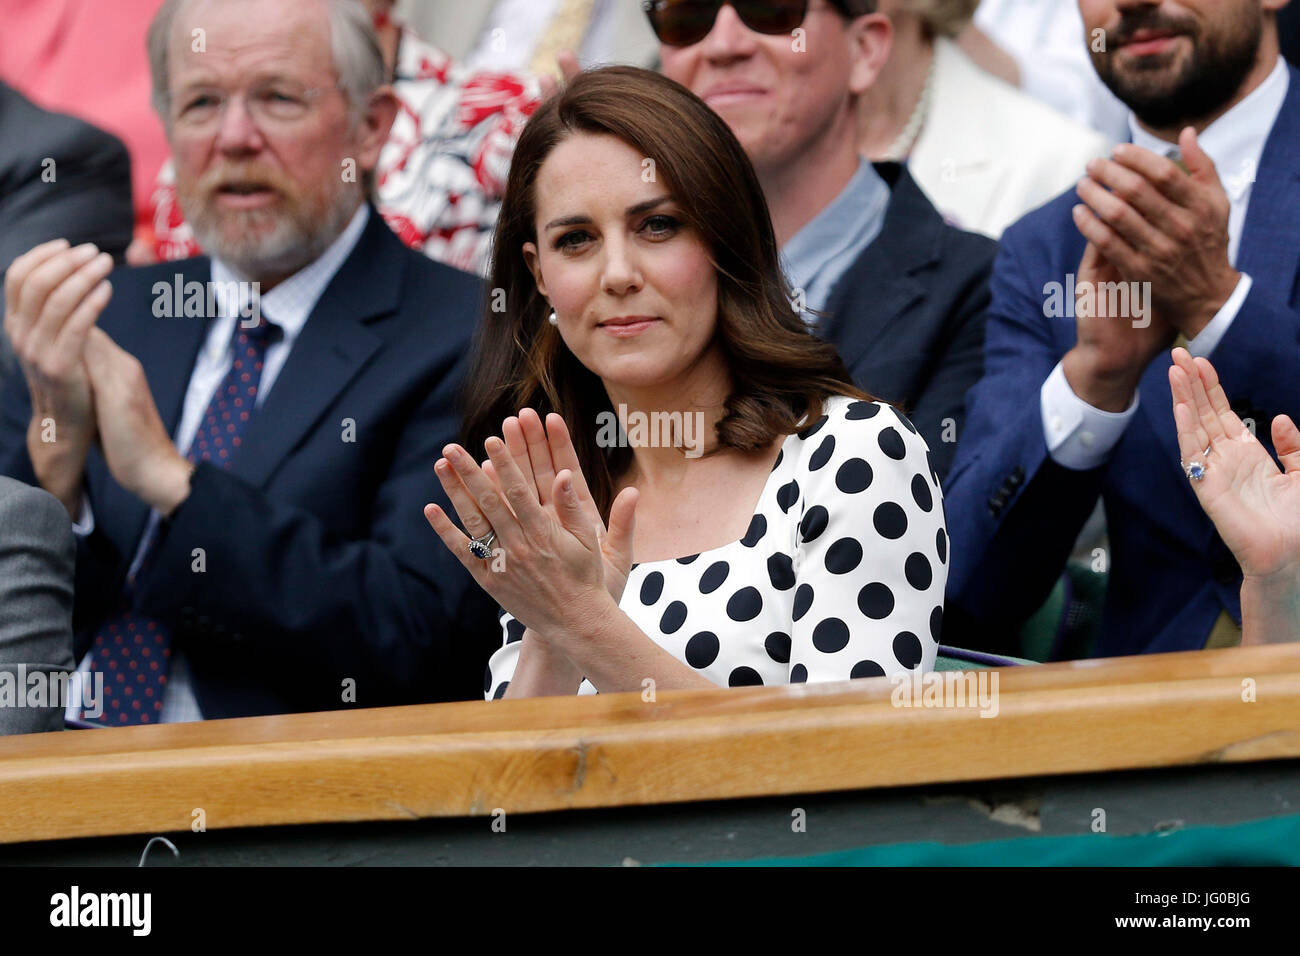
column 1213, row 75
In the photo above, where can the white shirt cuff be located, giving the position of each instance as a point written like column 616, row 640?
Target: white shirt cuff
column 1209, row 337
column 1079, row 436
column 85, row 523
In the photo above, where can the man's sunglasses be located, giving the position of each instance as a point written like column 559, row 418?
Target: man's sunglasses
column 684, row 22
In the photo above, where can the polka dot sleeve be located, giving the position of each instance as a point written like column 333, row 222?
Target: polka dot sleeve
column 500, row 670
column 496, row 678
column 870, row 550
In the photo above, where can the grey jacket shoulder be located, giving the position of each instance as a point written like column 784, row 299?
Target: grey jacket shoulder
column 37, row 558
column 25, row 509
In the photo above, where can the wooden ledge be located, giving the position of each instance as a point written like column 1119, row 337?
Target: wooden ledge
column 471, row 758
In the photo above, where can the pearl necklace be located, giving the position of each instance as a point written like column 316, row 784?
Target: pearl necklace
column 902, row 146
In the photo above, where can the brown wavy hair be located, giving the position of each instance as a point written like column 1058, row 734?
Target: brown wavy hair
column 781, row 373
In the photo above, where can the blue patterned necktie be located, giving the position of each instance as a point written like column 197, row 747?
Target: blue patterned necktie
column 132, row 650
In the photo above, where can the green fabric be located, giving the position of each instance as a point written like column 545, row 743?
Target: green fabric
column 1270, row 842
column 1076, row 625
column 1039, row 632
column 942, row 663
column 1083, row 620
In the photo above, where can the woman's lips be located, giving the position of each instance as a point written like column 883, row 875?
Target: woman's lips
column 626, row 329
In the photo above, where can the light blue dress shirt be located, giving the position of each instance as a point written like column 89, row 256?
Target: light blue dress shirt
column 820, row 253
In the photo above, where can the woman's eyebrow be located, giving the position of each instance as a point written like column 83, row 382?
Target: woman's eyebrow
column 581, row 219
column 647, row 205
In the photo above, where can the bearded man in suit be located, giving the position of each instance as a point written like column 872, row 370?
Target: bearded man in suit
column 1189, row 234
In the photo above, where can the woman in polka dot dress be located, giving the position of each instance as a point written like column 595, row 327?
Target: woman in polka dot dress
column 779, row 526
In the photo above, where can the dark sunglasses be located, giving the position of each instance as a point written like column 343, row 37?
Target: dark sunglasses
column 684, row 22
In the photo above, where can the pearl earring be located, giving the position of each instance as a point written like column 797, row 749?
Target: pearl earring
column 553, row 318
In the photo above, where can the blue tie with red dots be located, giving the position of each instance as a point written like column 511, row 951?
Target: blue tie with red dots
column 131, row 649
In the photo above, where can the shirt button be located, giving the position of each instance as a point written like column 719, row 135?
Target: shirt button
column 1055, row 423
column 1087, row 439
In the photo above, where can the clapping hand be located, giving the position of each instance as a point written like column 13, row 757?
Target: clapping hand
column 1111, row 351
column 54, row 295
column 561, row 565
column 1254, row 505
column 138, row 450
column 1165, row 225
column 540, row 453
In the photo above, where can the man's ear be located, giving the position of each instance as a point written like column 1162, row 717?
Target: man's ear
column 375, row 125
column 535, row 267
column 870, row 39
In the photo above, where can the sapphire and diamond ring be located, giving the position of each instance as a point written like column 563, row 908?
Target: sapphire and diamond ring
column 1195, row 470
column 481, row 547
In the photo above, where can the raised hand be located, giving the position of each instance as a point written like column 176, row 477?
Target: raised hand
column 54, row 294
column 553, row 574
column 542, row 451
column 139, row 452
column 1165, row 225
column 1254, row 505
column 1112, row 350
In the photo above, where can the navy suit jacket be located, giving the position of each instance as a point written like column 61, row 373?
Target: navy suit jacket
column 318, row 565
column 908, row 316
column 1014, row 514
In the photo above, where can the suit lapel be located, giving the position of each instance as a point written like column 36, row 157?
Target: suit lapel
column 1268, row 248
column 885, row 271
column 167, row 349
column 332, row 348
column 1158, row 404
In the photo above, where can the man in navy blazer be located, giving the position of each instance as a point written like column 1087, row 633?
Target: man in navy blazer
column 1089, row 295
column 247, row 496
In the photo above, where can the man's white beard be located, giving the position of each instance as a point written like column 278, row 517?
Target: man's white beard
column 288, row 247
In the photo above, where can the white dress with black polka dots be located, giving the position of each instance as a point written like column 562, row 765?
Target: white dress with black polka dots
column 840, row 575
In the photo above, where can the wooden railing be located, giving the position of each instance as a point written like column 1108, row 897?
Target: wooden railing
column 521, row 756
